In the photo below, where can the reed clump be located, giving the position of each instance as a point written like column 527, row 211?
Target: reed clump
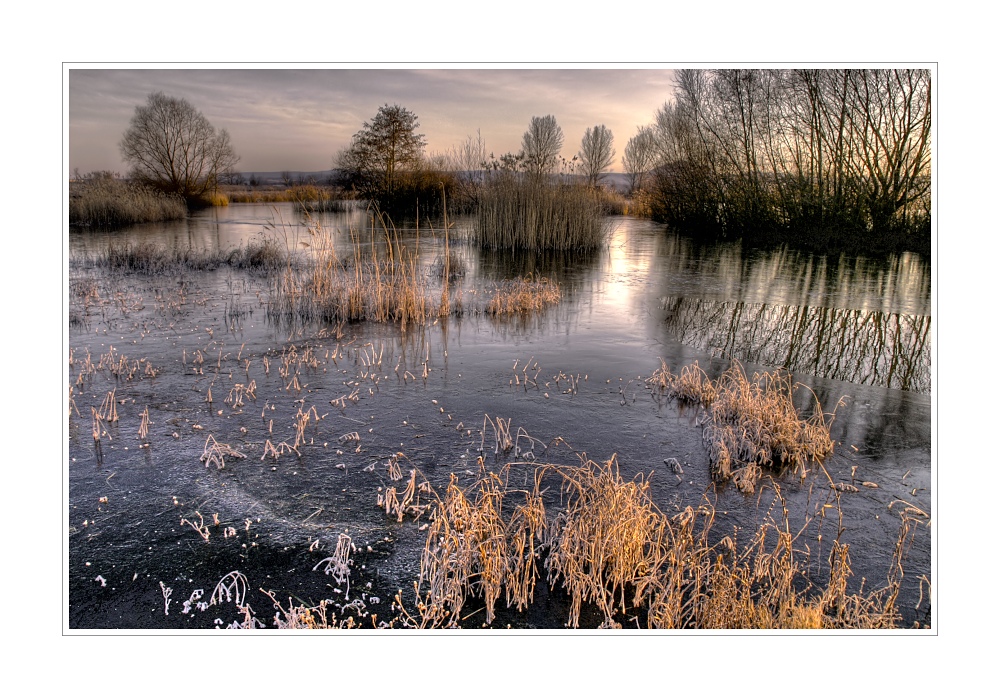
column 366, row 284
column 754, row 423
column 608, row 545
column 523, row 296
column 263, row 256
column 692, row 385
column 518, row 211
column 473, row 549
column 103, row 200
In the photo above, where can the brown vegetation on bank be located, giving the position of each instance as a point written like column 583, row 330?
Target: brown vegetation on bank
column 100, row 199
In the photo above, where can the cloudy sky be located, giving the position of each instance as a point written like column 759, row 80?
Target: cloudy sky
column 297, row 119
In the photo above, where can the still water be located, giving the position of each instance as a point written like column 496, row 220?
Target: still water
column 847, row 318
column 855, row 332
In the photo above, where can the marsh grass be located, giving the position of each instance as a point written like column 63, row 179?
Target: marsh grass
column 608, row 545
column 217, row 198
column 104, row 201
column 692, row 385
column 308, row 197
column 523, row 296
column 264, row 256
column 366, row 285
column 530, row 213
column 754, row 423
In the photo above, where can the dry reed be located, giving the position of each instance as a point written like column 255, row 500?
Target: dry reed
column 529, row 213
column 523, row 296
column 367, row 285
column 754, row 422
column 611, row 548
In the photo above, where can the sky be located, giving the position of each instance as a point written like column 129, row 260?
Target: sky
column 298, row 119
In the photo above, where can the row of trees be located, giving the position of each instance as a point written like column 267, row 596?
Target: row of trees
column 744, row 151
column 172, row 146
column 386, row 158
column 736, row 152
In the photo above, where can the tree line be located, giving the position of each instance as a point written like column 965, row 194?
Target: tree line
column 838, row 154
column 386, row 161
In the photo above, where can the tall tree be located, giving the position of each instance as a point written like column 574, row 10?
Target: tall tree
column 381, row 150
column 596, row 152
column 541, row 143
column 171, row 145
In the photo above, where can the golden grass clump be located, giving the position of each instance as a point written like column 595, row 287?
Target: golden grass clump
column 692, row 385
column 611, row 548
column 604, row 541
column 103, row 200
column 217, row 198
column 523, row 296
column 367, row 285
column 754, row 422
column 472, row 549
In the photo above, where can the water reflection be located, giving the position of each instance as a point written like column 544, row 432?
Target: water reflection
column 861, row 346
column 845, row 318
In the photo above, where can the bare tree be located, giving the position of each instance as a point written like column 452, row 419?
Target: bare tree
column 381, row 149
column 469, row 156
column 172, row 146
column 639, row 157
column 541, row 144
column 845, row 150
column 468, row 162
column 596, row 152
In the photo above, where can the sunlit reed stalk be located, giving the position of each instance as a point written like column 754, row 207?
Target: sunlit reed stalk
column 144, row 424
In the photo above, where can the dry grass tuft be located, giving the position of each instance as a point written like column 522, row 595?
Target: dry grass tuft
column 523, row 296
column 610, row 547
column 754, row 423
column 367, row 285
column 604, row 541
column 692, row 385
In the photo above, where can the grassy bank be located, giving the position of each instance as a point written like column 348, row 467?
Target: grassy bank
column 310, row 197
column 101, row 200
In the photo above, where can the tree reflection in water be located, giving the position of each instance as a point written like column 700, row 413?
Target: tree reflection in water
column 869, row 347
